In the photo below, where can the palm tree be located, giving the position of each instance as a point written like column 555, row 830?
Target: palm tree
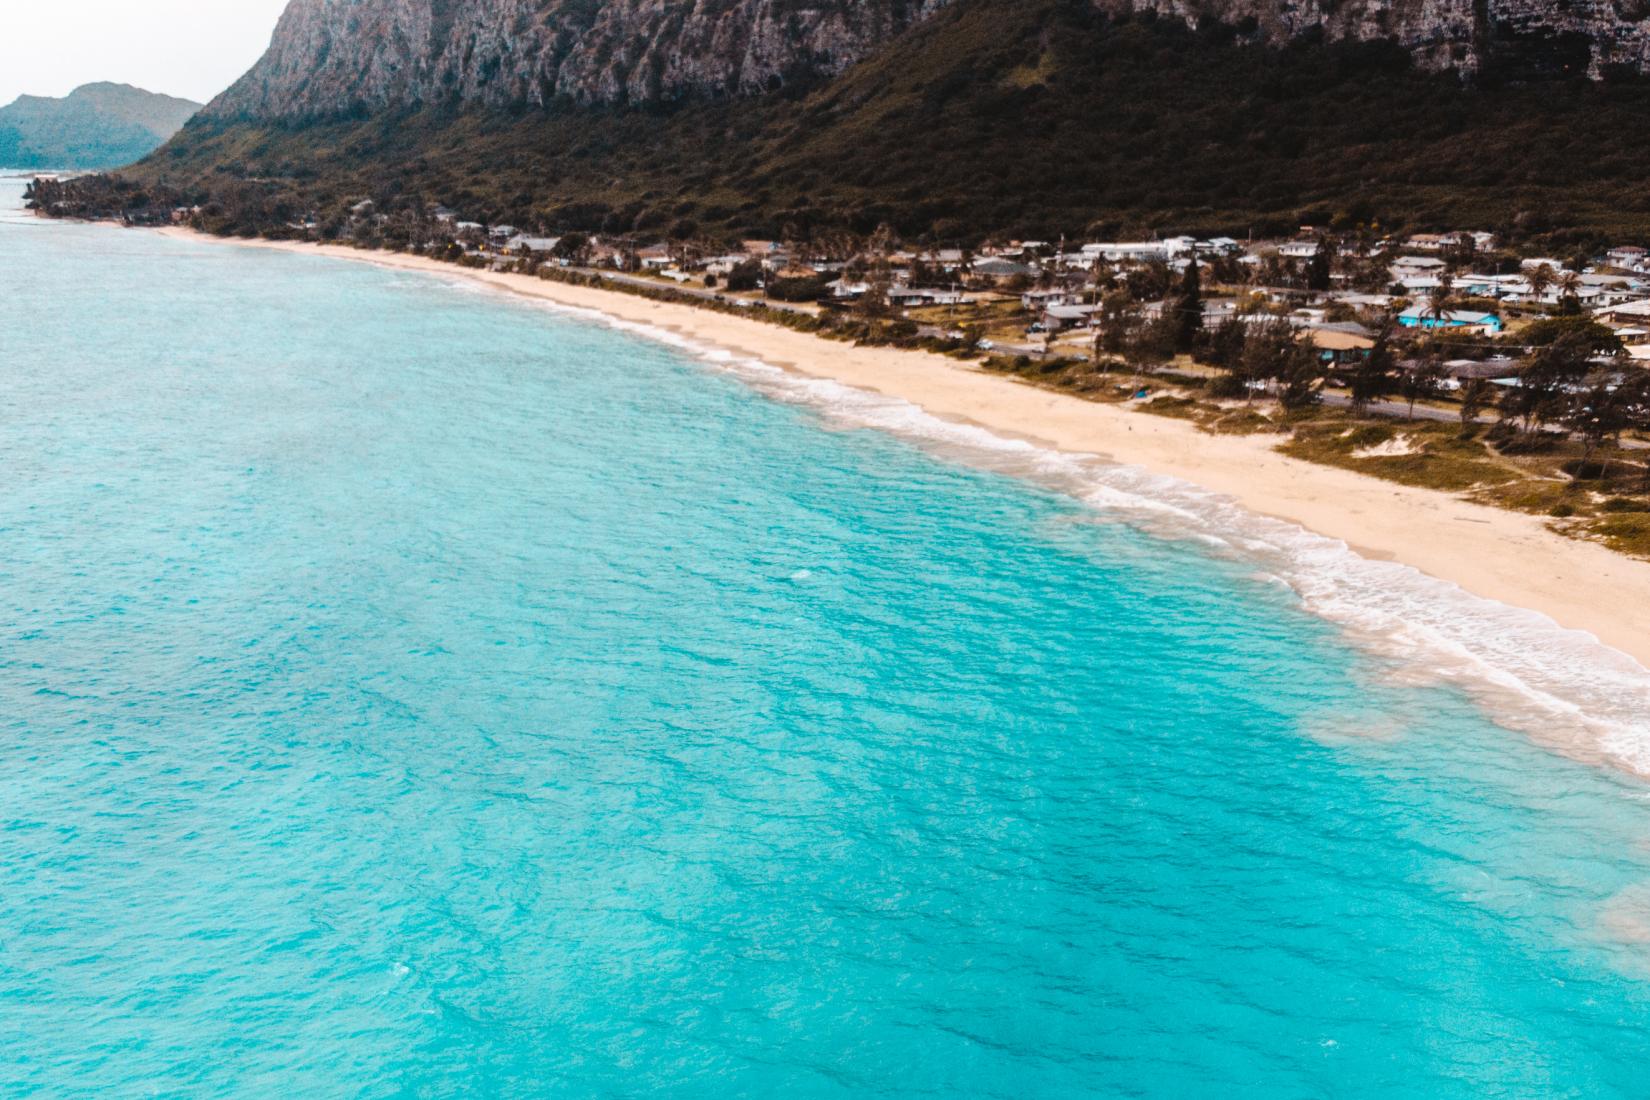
column 1569, row 283
column 1100, row 272
column 1541, row 281
column 1439, row 299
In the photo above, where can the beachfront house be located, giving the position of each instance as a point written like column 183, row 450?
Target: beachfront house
column 655, row 258
column 1500, row 371
column 521, row 243
column 1482, row 324
column 724, row 265
column 1339, row 343
column 910, row 297
column 1056, row 318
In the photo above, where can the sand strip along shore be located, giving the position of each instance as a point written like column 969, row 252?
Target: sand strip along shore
column 1503, row 556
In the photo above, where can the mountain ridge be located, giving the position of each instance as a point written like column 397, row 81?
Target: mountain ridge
column 98, row 125
column 985, row 117
column 337, row 57
column 332, row 57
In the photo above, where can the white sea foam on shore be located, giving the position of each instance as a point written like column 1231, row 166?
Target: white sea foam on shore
column 1562, row 687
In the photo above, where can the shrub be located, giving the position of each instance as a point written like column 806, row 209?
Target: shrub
column 798, row 290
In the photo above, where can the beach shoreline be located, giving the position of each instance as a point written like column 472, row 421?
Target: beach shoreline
column 1507, row 557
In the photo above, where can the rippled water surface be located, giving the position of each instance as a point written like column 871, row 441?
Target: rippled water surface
column 409, row 691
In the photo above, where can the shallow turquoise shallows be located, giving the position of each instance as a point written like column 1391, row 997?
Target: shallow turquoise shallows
column 410, row 691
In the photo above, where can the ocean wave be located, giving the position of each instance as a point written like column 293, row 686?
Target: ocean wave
column 1563, row 688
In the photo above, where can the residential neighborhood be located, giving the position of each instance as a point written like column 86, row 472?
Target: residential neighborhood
column 1055, row 298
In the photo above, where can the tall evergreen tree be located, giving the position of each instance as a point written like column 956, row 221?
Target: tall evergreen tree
column 1370, row 379
column 1318, row 270
column 1188, row 308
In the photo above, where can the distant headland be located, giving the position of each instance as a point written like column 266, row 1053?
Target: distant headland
column 95, row 126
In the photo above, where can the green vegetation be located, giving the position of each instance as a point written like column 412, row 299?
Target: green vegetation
column 1628, row 534
column 1427, row 455
column 1011, row 117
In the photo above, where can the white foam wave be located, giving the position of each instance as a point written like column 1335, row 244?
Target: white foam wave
column 1563, row 687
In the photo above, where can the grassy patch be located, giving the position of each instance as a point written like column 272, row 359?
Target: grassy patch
column 1537, row 497
column 1625, row 504
column 1436, row 458
column 1243, row 421
column 1627, row 533
column 1175, row 408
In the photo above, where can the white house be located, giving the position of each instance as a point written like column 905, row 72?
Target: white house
column 1116, row 251
column 1042, row 299
column 535, row 244
column 907, row 297
column 1416, row 265
column 1630, row 257
column 1059, row 317
column 1626, row 313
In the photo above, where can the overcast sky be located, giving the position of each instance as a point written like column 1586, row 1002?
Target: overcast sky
column 189, row 48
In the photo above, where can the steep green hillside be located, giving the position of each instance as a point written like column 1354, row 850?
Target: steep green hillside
column 95, row 126
column 1023, row 117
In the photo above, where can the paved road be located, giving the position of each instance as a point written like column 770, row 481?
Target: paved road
column 1400, row 410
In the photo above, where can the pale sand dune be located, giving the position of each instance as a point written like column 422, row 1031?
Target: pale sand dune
column 1499, row 555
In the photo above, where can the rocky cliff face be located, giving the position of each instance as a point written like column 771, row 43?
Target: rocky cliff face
column 332, row 56
column 335, row 56
column 1523, row 38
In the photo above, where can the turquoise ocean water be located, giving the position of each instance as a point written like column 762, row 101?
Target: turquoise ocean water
column 410, row 691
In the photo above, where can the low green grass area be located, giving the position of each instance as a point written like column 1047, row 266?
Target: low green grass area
column 1627, row 533
column 1244, row 421
column 1540, row 497
column 1176, row 408
column 1429, row 455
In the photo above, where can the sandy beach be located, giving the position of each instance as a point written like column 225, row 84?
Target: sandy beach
column 1503, row 556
